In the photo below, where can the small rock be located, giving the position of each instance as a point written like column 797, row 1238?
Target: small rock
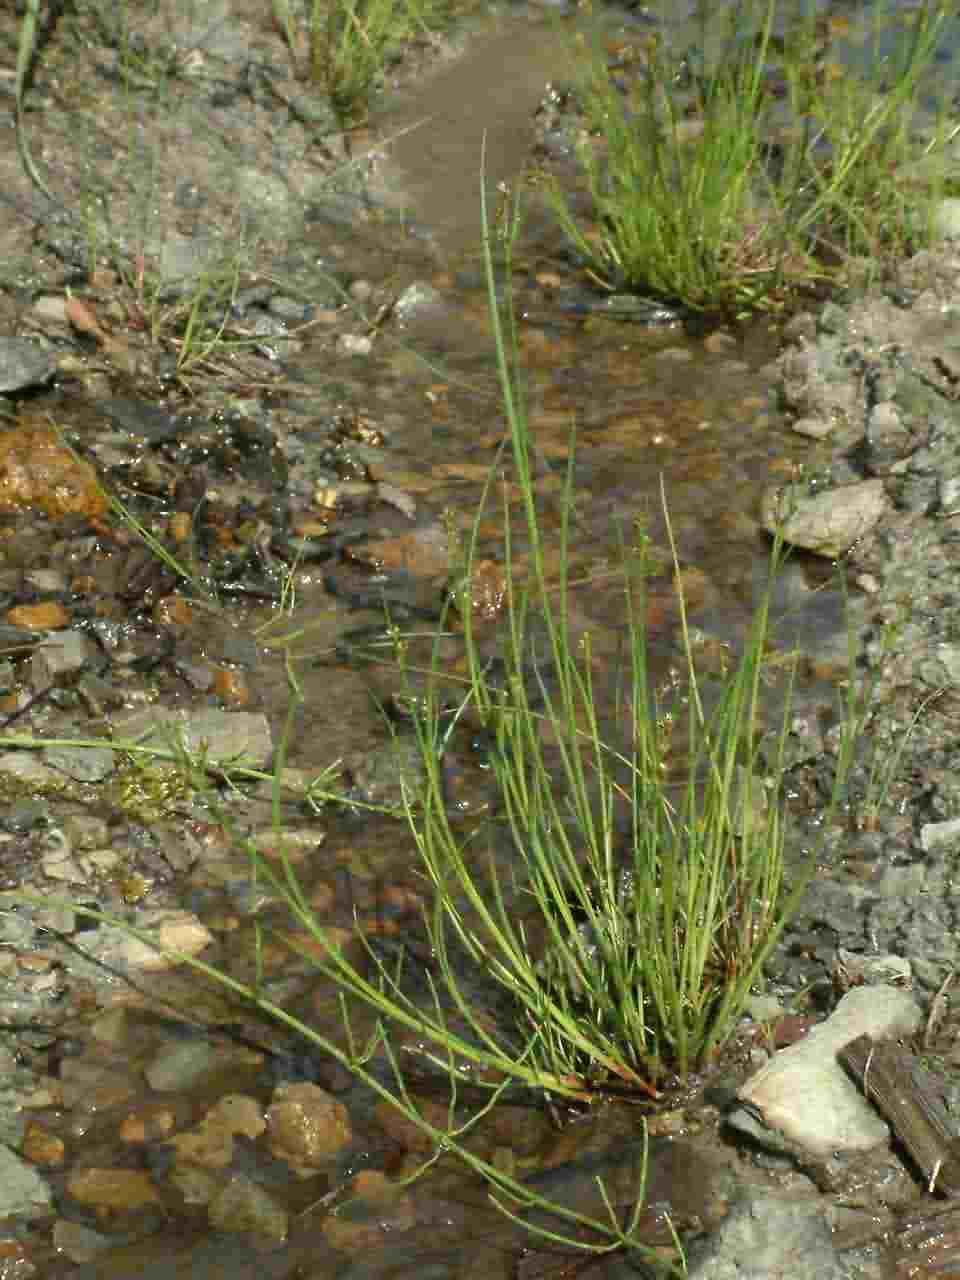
column 290, row 310
column 231, row 687
column 57, row 864
column 15, row 1260
column 329, row 496
column 354, row 344
column 85, row 831
column 386, row 774
column 48, row 615
column 762, row 1008
column 946, row 218
column 49, row 309
column 152, row 1122
column 40, row 1146
column 206, row 1145
column 241, row 1113
column 173, row 611
column 145, row 420
column 77, row 1242
column 888, row 438
column 406, row 1132
column 94, row 1085
column 265, row 194
column 210, row 1144
column 118, row 1190
column 230, row 645
column 415, row 299
column 306, row 1126
column 83, row 764
column 949, row 494
column 939, row 835
column 183, row 259
column 38, row 471
column 398, row 498
column 24, row 363
column 225, row 736
column 23, row 1193
column 242, row 1205
column 26, row 769
column 173, row 932
column 812, row 427
column 719, row 342
column 58, row 655
column 199, row 675
column 852, row 969
column 424, row 552
column 288, row 844
column 47, row 582
column 769, row 1236
column 377, row 1208
column 195, row 1184
column 99, row 863
column 828, row 523
column 180, row 1065
column 948, row 658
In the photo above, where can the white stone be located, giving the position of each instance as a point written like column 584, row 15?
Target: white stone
column 946, row 219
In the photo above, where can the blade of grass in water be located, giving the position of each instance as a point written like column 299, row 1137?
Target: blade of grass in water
column 25, row 51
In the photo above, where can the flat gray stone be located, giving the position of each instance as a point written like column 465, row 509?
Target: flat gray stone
column 813, row 427
column 827, row 523
column 25, row 767
column 83, row 764
column 770, row 1237
column 58, row 654
column 23, row 1193
column 224, row 736
column 180, row 1065
column 244, row 1206
column 24, row 363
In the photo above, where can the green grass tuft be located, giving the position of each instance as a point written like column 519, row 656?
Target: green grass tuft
column 345, row 45
column 656, row 896
column 757, row 171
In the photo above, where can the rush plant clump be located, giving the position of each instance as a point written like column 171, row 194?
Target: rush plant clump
column 344, row 45
column 755, row 166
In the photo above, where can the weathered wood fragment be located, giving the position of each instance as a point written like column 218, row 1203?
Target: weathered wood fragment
column 892, row 1080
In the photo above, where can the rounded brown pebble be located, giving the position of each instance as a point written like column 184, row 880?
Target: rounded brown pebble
column 181, row 526
column 231, row 687
column 49, row 615
column 173, row 611
column 150, row 1123
column 40, row 1146
column 377, row 1209
column 37, row 470
column 123, row 1190
column 306, row 1126
column 15, row 1260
